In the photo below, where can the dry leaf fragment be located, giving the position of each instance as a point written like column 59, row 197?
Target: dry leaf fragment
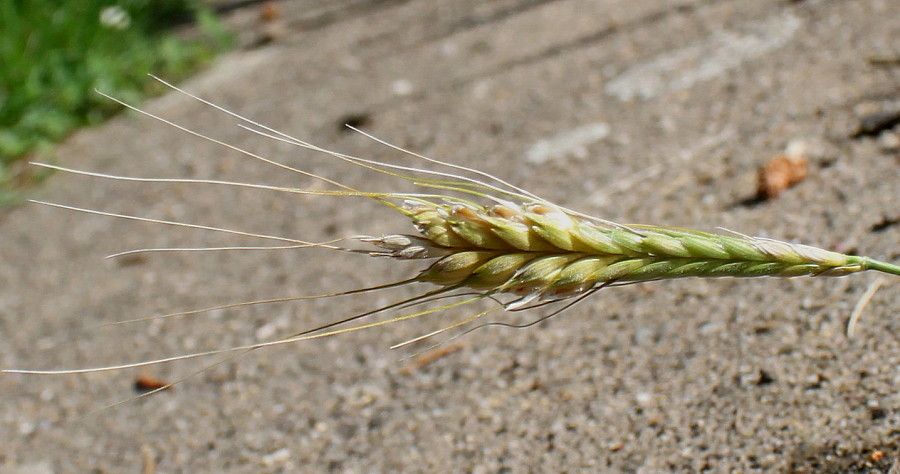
column 429, row 357
column 146, row 382
column 781, row 172
column 269, row 11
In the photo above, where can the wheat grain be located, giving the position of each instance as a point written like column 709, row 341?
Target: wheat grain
column 520, row 250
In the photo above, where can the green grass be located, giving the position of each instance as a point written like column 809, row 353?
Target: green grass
column 55, row 54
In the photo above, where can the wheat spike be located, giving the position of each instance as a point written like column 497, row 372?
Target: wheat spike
column 520, row 250
column 541, row 251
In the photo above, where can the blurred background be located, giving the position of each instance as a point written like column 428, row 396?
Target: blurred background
column 55, row 56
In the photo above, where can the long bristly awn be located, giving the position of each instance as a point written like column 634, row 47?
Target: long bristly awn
column 481, row 239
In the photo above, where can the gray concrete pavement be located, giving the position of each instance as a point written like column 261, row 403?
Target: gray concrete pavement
column 636, row 111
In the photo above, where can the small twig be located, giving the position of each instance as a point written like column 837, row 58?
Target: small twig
column 861, row 305
column 430, row 357
column 149, row 460
column 884, row 60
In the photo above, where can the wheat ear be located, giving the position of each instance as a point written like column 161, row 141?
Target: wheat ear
column 520, row 250
column 537, row 251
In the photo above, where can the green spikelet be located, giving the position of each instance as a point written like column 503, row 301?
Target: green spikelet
column 539, row 250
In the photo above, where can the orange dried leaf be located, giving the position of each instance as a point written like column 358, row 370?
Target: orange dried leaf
column 780, row 173
column 430, row 357
column 146, row 382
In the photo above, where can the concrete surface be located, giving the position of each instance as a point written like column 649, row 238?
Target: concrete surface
column 636, row 111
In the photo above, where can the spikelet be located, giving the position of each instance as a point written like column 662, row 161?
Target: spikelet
column 541, row 251
column 519, row 250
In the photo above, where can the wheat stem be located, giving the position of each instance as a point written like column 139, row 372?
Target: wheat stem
column 871, row 264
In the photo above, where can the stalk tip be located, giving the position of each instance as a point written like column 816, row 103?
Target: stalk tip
column 872, row 264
